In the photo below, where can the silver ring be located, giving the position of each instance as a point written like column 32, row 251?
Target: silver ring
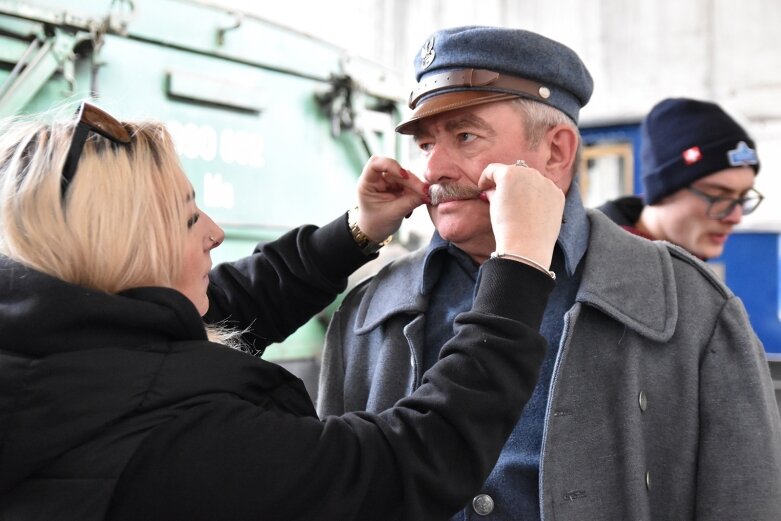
column 522, row 163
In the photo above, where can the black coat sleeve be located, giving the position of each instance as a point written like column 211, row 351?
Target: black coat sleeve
column 420, row 460
column 284, row 282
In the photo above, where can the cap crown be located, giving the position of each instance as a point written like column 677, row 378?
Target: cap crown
column 529, row 65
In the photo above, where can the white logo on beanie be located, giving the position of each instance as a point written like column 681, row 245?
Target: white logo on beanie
column 742, row 155
column 691, row 155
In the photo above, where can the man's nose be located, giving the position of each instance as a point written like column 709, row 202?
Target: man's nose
column 735, row 216
column 439, row 166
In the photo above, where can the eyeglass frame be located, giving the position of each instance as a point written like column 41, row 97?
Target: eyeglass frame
column 734, row 201
column 90, row 118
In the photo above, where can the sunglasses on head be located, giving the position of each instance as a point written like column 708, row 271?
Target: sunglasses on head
column 90, row 119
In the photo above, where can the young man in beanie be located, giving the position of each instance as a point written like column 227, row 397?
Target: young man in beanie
column 699, row 167
column 654, row 400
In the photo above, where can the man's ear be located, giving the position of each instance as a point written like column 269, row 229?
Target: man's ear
column 562, row 143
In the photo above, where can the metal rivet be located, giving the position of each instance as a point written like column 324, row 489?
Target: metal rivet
column 642, row 400
column 483, row 504
column 648, row 480
column 544, row 92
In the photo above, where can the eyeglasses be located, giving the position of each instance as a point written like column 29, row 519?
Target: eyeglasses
column 720, row 207
column 90, row 118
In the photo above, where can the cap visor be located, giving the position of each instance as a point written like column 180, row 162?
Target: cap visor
column 448, row 101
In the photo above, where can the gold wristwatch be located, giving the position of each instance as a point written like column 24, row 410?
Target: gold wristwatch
column 367, row 246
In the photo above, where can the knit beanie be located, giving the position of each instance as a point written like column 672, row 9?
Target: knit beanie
column 684, row 140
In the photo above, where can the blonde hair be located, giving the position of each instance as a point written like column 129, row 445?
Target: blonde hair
column 538, row 118
column 122, row 222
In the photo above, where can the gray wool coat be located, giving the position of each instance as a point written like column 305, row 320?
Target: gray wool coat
column 661, row 404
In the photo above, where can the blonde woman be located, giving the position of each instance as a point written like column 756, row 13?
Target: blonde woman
column 115, row 403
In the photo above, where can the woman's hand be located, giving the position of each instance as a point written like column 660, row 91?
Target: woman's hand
column 386, row 194
column 526, row 210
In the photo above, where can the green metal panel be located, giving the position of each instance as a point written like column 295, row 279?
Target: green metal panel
column 256, row 41
column 241, row 100
column 273, row 169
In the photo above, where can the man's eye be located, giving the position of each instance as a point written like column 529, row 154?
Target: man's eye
column 466, row 137
column 192, row 220
column 425, row 147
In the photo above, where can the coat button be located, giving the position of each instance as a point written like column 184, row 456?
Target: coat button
column 483, row 504
column 642, row 400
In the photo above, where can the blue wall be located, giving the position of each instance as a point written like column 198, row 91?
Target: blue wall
column 752, row 264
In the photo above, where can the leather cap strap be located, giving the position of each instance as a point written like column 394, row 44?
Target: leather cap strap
column 477, row 79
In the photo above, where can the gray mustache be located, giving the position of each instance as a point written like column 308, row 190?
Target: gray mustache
column 442, row 193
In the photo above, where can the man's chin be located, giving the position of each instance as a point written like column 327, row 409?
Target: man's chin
column 463, row 210
column 710, row 252
column 460, row 230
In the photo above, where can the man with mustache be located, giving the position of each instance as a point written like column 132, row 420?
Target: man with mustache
column 654, row 400
column 699, row 167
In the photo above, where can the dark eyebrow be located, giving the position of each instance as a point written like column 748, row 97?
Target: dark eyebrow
column 469, row 120
column 723, row 189
column 419, row 134
column 459, row 122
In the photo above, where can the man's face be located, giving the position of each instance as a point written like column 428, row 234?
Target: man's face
column 458, row 145
column 683, row 215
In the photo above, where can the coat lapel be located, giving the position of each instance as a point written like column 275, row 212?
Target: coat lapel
column 630, row 279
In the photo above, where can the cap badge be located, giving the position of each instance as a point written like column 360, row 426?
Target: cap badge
column 544, row 92
column 427, row 53
column 691, row 155
column 742, row 155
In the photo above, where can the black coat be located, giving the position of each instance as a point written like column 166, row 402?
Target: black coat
column 624, row 211
column 118, row 407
